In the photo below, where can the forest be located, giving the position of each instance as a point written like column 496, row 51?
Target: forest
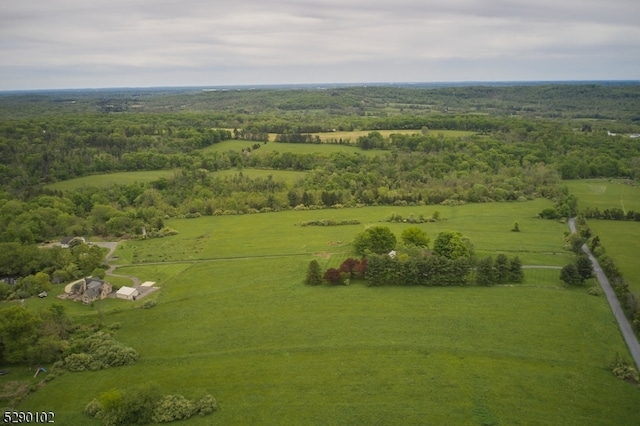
column 331, row 161
column 509, row 154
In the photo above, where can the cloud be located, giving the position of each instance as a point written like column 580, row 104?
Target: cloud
column 124, row 43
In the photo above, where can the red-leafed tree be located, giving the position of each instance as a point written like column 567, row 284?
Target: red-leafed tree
column 332, row 275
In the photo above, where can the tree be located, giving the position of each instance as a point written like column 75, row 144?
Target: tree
column 569, row 275
column 485, row 274
column 314, row 274
column 377, row 239
column 584, row 267
column 501, row 267
column 516, row 227
column 516, row 274
column 332, row 276
column 18, row 332
column 452, row 245
column 415, row 236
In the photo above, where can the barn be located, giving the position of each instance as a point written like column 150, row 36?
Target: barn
column 128, row 293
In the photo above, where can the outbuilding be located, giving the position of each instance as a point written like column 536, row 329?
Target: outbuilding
column 128, row 293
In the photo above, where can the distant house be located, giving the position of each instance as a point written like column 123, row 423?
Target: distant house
column 88, row 289
column 64, row 242
column 128, row 293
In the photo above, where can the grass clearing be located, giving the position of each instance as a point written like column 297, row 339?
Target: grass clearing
column 104, row 180
column 605, row 193
column 354, row 135
column 295, row 148
column 234, row 319
column 621, row 240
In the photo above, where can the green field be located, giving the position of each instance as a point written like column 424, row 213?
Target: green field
column 620, row 239
column 120, row 178
column 296, row 148
column 235, row 320
column 605, row 193
column 354, row 135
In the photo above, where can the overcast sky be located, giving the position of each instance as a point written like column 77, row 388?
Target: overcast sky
column 133, row 43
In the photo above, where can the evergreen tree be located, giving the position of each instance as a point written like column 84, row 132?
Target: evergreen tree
column 501, row 267
column 485, row 273
column 314, row 274
column 516, row 274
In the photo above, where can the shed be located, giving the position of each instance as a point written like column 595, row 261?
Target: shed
column 128, row 293
column 147, row 284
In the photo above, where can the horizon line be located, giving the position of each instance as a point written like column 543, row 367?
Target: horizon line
column 248, row 86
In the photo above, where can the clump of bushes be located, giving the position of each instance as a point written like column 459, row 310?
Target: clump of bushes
column 330, row 222
column 96, row 352
column 622, row 369
column 146, row 404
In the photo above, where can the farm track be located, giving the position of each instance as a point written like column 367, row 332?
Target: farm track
column 623, row 323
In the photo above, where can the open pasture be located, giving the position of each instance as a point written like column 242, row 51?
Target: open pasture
column 354, row 135
column 295, row 148
column 540, row 242
column 274, row 351
column 103, row 180
column 621, row 239
column 605, row 194
column 234, row 319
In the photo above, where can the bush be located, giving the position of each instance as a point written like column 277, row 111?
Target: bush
column 595, row 291
column 148, row 304
column 206, row 405
column 173, row 407
column 622, row 369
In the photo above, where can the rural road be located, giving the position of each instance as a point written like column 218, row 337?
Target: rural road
column 618, row 313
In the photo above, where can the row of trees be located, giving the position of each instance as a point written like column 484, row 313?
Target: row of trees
column 450, row 262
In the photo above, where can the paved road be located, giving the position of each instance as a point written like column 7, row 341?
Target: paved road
column 623, row 322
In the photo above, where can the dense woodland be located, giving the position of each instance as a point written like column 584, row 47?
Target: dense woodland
column 523, row 140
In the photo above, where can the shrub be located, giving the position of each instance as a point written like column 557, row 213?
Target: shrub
column 148, row 304
column 206, row 405
column 595, row 291
column 173, row 407
column 622, row 369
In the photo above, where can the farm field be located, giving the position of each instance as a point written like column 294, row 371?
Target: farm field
column 235, row 320
column 487, row 225
column 605, row 194
column 124, row 178
column 621, row 240
column 296, row 148
column 120, row 178
column 354, row 135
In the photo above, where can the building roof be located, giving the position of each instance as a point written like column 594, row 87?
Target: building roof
column 147, row 284
column 127, row 291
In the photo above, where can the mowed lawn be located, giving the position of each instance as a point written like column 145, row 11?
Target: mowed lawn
column 621, row 240
column 234, row 319
column 605, row 194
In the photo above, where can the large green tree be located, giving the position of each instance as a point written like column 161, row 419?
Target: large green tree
column 415, row 236
column 452, row 245
column 377, row 239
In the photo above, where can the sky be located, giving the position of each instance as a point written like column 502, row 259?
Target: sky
column 55, row 44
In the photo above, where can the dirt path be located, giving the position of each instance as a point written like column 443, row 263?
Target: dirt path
column 625, row 327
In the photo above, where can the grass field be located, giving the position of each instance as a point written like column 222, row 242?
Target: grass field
column 121, row 178
column 353, row 136
column 605, row 194
column 234, row 319
column 620, row 239
column 296, row 148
